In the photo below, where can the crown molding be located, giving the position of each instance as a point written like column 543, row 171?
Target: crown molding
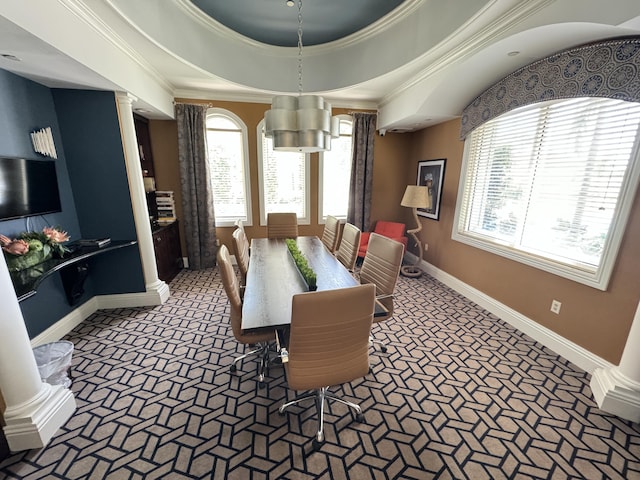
column 398, row 14
column 195, row 94
column 219, row 95
column 454, row 49
column 86, row 15
column 219, row 29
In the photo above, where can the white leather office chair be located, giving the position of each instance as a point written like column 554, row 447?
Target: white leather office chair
column 328, row 345
column 232, row 288
column 241, row 247
column 347, row 252
column 381, row 266
column 282, row 225
column 331, row 233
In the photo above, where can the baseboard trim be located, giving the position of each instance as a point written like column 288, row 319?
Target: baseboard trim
column 70, row 321
column 152, row 297
column 576, row 354
column 67, row 323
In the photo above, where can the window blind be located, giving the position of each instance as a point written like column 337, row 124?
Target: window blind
column 547, row 180
column 283, row 180
column 226, row 142
column 335, row 174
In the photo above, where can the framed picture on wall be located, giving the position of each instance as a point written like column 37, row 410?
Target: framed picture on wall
column 431, row 175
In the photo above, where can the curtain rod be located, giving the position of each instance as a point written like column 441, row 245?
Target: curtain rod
column 206, row 104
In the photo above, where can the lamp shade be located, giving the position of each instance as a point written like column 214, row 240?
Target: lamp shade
column 416, row 196
column 301, row 124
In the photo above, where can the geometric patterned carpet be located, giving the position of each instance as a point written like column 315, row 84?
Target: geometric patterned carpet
column 459, row 395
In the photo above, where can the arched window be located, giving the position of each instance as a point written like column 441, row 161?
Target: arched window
column 284, row 180
column 551, row 185
column 335, row 174
column 229, row 164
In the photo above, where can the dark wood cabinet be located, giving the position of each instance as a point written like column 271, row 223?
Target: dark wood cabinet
column 166, row 242
column 166, row 238
column 144, row 145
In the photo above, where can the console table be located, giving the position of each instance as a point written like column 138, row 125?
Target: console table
column 73, row 269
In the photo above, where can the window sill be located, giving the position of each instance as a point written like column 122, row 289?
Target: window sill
column 598, row 279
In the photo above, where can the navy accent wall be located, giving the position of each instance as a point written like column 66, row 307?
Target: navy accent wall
column 92, row 182
column 26, row 106
column 97, row 169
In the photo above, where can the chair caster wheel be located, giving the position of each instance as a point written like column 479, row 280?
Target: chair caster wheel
column 360, row 417
column 233, row 368
column 383, row 349
column 316, row 444
column 281, row 412
column 261, row 385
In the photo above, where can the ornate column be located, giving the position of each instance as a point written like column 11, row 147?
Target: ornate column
column 617, row 389
column 35, row 410
column 153, row 284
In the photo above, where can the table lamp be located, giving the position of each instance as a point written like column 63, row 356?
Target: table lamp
column 415, row 196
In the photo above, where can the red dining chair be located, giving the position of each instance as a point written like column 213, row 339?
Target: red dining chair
column 393, row 230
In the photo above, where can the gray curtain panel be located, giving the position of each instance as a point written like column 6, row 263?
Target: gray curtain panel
column 197, row 198
column 364, row 129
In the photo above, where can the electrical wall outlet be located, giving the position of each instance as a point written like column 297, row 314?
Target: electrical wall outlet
column 555, row 306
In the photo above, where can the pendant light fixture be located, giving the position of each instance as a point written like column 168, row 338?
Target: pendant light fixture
column 301, row 123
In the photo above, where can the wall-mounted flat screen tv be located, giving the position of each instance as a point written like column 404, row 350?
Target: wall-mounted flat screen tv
column 28, row 187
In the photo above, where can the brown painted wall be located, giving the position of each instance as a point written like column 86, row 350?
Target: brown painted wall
column 389, row 176
column 164, row 148
column 598, row 321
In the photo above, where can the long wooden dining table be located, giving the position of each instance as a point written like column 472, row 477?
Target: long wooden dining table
column 273, row 279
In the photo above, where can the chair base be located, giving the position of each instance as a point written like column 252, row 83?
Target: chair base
column 266, row 356
column 322, row 397
column 383, row 346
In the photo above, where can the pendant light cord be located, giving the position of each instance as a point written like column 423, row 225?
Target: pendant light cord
column 299, row 47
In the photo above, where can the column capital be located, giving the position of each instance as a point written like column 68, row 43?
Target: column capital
column 126, row 98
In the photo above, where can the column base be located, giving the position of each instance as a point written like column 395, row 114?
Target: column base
column 160, row 290
column 616, row 394
column 32, row 425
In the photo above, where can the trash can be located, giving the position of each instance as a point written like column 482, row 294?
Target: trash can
column 54, row 362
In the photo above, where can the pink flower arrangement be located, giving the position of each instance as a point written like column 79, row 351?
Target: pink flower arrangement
column 50, row 240
column 55, row 235
column 15, row 247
